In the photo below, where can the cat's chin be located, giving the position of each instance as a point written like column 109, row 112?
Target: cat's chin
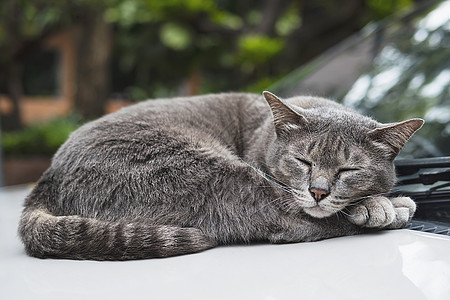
column 317, row 212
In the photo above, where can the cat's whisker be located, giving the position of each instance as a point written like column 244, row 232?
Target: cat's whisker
column 270, row 176
column 282, row 198
column 272, row 180
column 344, row 212
column 355, row 201
column 337, row 214
column 285, row 202
column 290, row 206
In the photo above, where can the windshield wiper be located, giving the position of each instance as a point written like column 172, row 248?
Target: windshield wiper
column 425, row 171
column 411, row 166
column 427, row 182
column 425, row 177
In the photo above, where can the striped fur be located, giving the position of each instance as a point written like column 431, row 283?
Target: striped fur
column 178, row 176
column 74, row 237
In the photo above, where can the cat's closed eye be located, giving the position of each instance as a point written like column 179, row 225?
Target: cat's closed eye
column 304, row 162
column 348, row 170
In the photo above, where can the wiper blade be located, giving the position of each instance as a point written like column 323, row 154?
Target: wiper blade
column 432, row 195
column 411, row 166
column 424, row 171
column 427, row 181
column 426, row 177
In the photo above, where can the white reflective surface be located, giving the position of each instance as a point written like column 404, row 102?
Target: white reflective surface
column 399, row 264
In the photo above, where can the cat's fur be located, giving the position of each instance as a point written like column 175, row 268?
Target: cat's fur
column 170, row 177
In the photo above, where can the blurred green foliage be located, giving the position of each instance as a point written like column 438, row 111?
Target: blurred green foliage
column 288, row 22
column 257, row 49
column 39, row 139
column 383, row 8
column 175, row 36
column 159, row 45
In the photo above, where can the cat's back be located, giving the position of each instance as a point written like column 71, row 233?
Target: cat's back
column 185, row 111
column 170, row 123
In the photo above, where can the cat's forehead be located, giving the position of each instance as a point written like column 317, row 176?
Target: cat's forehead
column 330, row 149
column 336, row 117
column 334, row 121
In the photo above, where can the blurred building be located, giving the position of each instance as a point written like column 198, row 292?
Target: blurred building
column 48, row 80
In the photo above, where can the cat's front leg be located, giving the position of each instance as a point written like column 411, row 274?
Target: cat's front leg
column 382, row 212
column 404, row 211
column 308, row 229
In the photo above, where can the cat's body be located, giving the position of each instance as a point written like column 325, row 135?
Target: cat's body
column 170, row 177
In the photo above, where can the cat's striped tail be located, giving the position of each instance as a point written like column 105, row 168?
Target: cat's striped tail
column 47, row 236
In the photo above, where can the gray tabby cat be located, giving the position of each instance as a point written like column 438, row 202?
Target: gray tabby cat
column 171, row 177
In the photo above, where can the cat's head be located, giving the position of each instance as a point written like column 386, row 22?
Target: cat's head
column 329, row 156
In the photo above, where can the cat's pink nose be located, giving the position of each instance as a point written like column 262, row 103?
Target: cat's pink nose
column 319, row 188
column 318, row 194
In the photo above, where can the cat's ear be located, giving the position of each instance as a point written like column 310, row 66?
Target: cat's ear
column 394, row 136
column 284, row 117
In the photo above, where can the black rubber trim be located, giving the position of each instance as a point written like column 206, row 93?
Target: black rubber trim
column 431, row 227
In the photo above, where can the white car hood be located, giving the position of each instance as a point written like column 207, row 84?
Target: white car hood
column 398, row 264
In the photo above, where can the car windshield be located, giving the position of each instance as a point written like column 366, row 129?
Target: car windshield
column 392, row 71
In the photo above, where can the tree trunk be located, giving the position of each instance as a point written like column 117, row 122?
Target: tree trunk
column 92, row 72
column 13, row 120
column 12, row 65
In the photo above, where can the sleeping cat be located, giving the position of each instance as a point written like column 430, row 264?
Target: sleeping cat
column 170, row 177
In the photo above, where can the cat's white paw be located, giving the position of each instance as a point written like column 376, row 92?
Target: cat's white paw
column 404, row 210
column 382, row 212
column 372, row 212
